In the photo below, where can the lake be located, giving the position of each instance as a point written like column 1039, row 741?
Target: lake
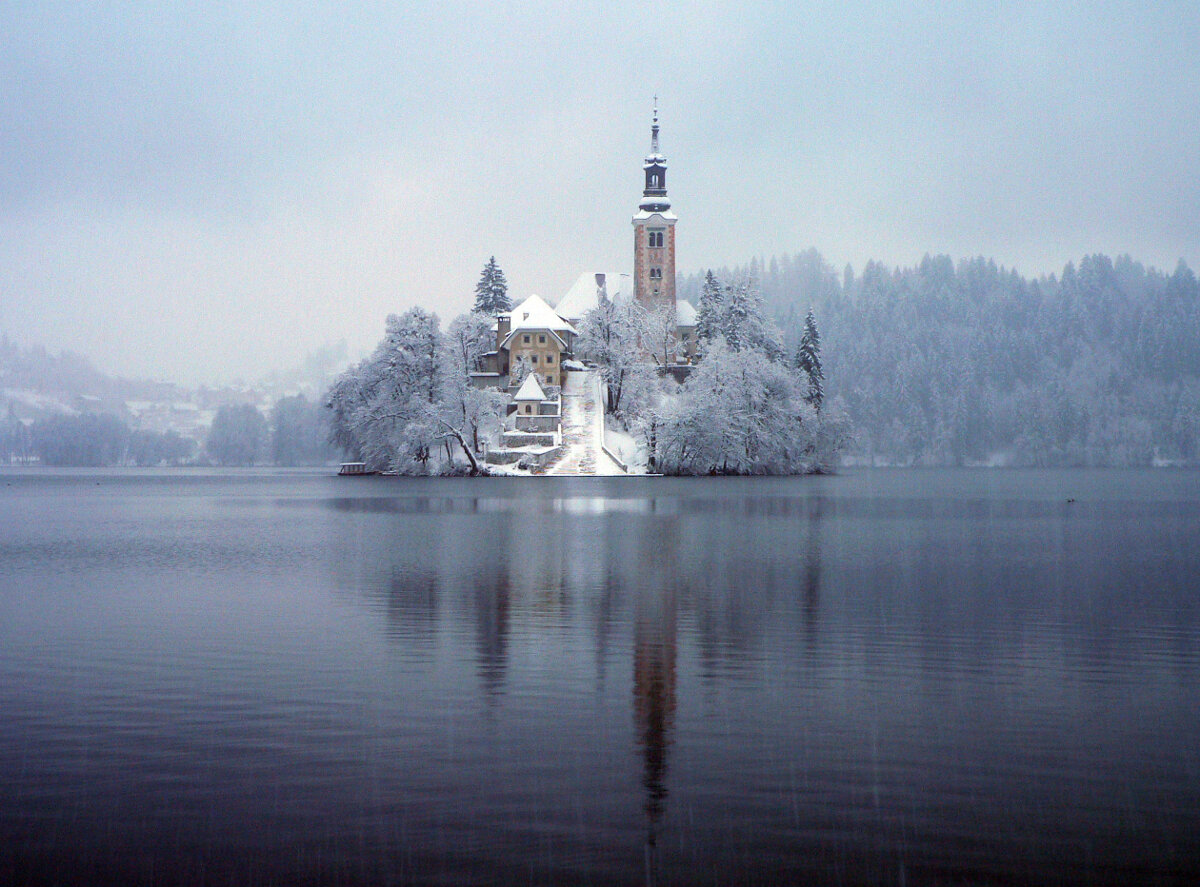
column 889, row 676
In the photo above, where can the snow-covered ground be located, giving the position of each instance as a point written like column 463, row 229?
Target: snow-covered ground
column 622, row 444
column 583, row 429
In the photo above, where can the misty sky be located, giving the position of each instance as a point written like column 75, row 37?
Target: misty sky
column 199, row 192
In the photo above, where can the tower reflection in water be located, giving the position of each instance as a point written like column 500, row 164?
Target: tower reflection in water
column 654, row 675
column 528, row 591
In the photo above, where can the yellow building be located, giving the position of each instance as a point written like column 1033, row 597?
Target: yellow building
column 534, row 336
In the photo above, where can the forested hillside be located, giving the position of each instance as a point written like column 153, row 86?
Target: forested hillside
column 968, row 363
column 58, row 409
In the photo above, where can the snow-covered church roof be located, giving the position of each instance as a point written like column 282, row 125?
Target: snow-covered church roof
column 530, row 389
column 584, row 294
column 685, row 314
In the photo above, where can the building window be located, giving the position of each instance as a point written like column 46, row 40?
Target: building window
column 653, row 181
column 549, row 358
column 655, row 238
column 541, row 340
column 549, row 380
column 656, row 273
column 534, row 358
column 525, row 339
column 528, row 409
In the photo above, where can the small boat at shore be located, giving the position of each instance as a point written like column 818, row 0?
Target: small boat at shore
column 355, row 469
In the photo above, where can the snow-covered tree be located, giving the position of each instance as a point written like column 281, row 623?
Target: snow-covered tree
column 745, row 321
column 741, row 412
column 470, row 337
column 608, row 335
column 469, row 417
column 808, row 361
column 657, row 331
column 519, row 367
column 709, row 316
column 491, row 292
column 736, row 314
column 404, row 407
column 395, row 418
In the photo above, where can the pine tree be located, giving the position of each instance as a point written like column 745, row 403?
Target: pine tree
column 708, row 320
column 491, row 293
column 808, row 360
column 738, row 310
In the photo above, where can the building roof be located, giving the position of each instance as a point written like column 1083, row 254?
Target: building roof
column 535, row 314
column 530, row 389
column 643, row 214
column 584, row 294
column 685, row 314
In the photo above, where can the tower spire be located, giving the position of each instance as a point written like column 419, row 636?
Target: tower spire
column 654, row 197
column 654, row 129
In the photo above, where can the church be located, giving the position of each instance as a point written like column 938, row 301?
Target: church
column 537, row 340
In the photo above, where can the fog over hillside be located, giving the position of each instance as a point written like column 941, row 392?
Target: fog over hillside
column 947, row 363
column 60, row 409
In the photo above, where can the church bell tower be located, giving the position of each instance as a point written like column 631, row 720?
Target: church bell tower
column 654, row 232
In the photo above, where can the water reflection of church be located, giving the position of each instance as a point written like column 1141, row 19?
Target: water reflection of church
column 654, row 684
column 535, row 577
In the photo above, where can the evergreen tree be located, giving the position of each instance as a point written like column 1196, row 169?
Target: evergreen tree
column 737, row 313
column 808, row 360
column 708, row 320
column 491, row 293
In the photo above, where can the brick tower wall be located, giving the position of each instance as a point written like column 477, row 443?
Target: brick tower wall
column 646, row 257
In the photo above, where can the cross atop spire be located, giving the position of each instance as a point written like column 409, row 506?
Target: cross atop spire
column 654, row 129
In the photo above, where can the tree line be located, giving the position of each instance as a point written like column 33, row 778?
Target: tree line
column 90, row 440
column 947, row 363
column 294, row 433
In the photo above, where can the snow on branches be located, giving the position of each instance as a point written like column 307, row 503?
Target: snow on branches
column 491, row 292
column 410, row 407
column 741, row 412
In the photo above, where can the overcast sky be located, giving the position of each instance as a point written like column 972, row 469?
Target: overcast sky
column 203, row 191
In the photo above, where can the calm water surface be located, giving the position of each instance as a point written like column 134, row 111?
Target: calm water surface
column 883, row 677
